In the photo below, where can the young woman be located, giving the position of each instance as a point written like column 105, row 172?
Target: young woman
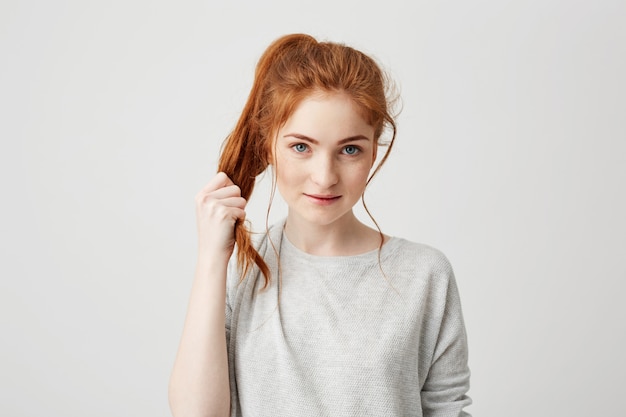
column 321, row 315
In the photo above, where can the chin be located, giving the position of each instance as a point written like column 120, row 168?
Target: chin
column 319, row 218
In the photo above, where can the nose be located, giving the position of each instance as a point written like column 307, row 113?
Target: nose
column 324, row 172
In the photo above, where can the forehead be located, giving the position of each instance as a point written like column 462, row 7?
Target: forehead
column 328, row 115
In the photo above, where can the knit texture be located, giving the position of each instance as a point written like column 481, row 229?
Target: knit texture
column 346, row 339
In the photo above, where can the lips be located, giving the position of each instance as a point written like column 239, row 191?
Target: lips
column 323, row 199
column 323, row 196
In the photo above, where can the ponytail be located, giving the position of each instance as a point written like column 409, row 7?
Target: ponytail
column 245, row 152
column 242, row 161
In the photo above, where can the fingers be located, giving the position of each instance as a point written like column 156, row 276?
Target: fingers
column 235, row 202
column 225, row 192
column 219, row 187
column 230, row 208
column 221, row 195
column 218, row 207
column 219, row 214
column 220, row 180
column 231, row 191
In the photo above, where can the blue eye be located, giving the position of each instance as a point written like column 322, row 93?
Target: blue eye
column 300, row 147
column 351, row 150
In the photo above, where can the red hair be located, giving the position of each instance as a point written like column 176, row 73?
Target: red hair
column 290, row 69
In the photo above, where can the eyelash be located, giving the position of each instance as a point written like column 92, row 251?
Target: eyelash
column 357, row 150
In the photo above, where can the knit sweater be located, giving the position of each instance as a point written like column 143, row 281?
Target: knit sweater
column 349, row 335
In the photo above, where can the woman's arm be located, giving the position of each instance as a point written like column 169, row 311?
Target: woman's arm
column 199, row 384
column 444, row 393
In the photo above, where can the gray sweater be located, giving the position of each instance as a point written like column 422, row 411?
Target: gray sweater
column 345, row 339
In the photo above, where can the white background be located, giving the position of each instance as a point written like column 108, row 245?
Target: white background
column 510, row 158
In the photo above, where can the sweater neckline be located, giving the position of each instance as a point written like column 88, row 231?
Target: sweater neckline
column 290, row 249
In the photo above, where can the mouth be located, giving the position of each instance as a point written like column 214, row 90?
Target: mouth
column 323, row 199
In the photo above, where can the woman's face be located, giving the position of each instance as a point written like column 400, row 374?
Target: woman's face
column 323, row 156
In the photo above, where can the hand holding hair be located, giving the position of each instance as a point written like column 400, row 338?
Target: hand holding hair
column 219, row 205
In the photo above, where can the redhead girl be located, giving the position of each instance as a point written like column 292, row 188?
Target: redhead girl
column 321, row 315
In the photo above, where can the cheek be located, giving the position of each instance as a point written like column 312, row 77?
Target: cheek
column 358, row 175
column 287, row 174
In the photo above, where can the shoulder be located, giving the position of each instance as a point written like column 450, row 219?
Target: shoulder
column 271, row 236
column 419, row 269
column 419, row 256
column 426, row 273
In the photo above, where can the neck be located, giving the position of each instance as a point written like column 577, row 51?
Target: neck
column 347, row 236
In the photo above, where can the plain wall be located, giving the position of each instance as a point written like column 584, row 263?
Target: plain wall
column 510, row 158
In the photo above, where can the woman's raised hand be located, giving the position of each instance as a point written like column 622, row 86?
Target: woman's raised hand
column 218, row 206
column 199, row 380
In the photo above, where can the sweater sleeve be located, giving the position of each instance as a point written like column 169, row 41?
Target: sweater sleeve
column 444, row 393
column 232, row 278
column 230, row 289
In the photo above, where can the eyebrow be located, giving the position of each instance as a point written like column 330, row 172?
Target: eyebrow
column 315, row 142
